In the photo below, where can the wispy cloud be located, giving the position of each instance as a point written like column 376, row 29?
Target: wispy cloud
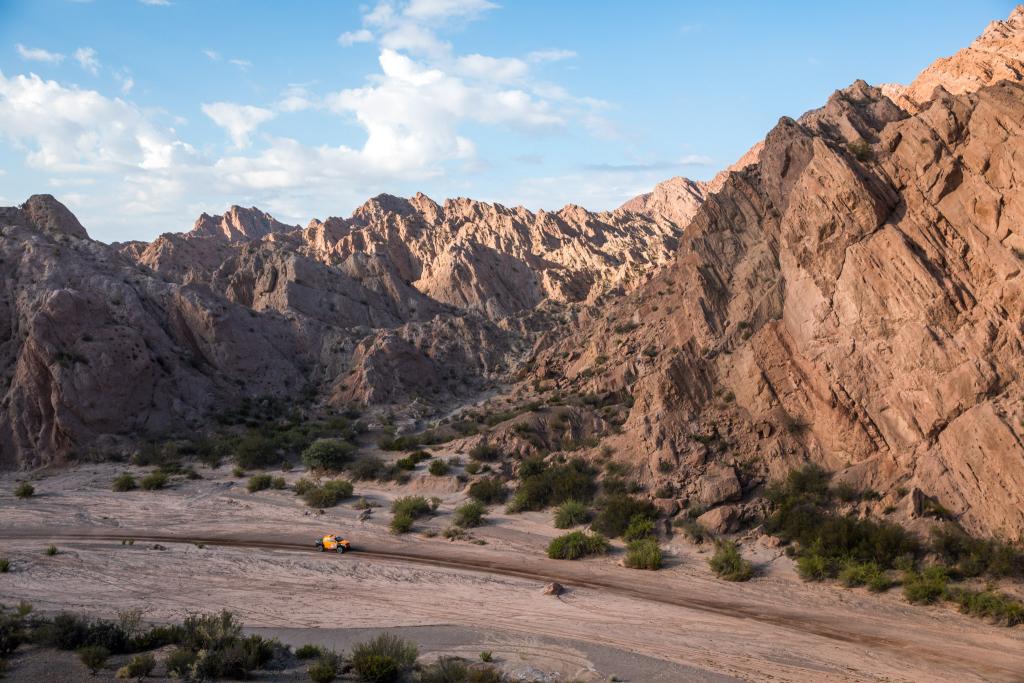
column 86, row 58
column 212, row 54
column 553, row 55
column 349, row 38
column 38, row 54
column 156, row 3
column 240, row 63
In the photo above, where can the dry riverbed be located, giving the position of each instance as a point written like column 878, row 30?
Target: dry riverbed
column 252, row 553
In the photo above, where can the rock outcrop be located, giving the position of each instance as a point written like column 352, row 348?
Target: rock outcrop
column 855, row 299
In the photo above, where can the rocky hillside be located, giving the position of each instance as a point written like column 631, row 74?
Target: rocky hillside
column 854, row 299
column 407, row 301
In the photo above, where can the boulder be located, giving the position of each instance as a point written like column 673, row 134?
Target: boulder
column 718, row 485
column 721, row 520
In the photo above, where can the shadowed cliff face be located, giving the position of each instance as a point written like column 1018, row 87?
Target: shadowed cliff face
column 855, row 298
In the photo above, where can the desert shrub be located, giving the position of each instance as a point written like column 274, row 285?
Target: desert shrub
column 383, row 659
column 328, row 454
column 155, row 480
column 692, row 529
column 814, row 567
column 617, row 512
column 24, row 490
column 303, row 485
column 51, row 550
column 543, row 484
column 256, row 451
column 407, row 463
column 801, row 513
column 93, row 657
column 414, row 506
column 138, row 667
column 976, row 556
column 367, row 468
column 926, row 586
column 259, row 482
column 485, row 453
column 486, row 656
column 124, row 482
column 576, row 544
column 988, row 604
column 401, row 523
column 643, row 553
column 179, row 662
column 438, row 468
column 861, row 150
column 472, row 467
column 238, row 471
column 5, row 565
column 13, row 629
column 864, row 574
column 323, row 670
column 727, row 563
column 571, row 513
column 455, row 670
column 308, row 651
column 470, row 514
column 489, row 490
column 640, row 526
column 328, row 494
column 278, row 483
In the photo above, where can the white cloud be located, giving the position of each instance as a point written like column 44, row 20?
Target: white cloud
column 443, row 9
column 65, row 129
column 499, row 69
column 240, row 63
column 212, row 54
column 296, row 98
column 38, row 54
column 538, row 56
column 349, row 38
column 124, row 78
column 696, row 160
column 156, row 3
column 240, row 121
column 86, row 58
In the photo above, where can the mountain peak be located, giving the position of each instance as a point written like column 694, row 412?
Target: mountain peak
column 239, row 224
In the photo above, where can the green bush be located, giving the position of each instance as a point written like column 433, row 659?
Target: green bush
column 259, row 482
column 489, row 490
column 328, row 494
column 367, row 468
column 256, row 451
column 238, row 471
column 639, row 527
column 308, row 651
column 401, row 523
column 24, row 490
column 485, row 453
column 328, row 454
column 864, row 574
column 138, row 667
column 414, row 506
column 976, row 556
column 543, row 484
column 643, row 553
column 51, row 550
column 814, row 567
column 455, row 670
column 179, row 662
column 383, row 659
column 470, row 514
column 5, row 565
column 571, row 513
column 155, row 480
column 727, row 563
column 576, row 544
column 303, row 485
column 472, row 467
column 861, row 150
column 438, row 468
column 616, row 513
column 693, row 530
column 124, row 482
column 323, row 670
column 486, row 656
column 278, row 483
column 926, row 586
column 988, row 604
column 93, row 657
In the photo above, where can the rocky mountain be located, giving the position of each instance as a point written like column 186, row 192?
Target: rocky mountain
column 406, row 300
column 853, row 299
column 997, row 55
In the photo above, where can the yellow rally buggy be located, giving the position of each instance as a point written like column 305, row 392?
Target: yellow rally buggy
column 333, row 542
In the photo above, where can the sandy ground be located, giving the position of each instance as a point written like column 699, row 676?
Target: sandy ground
column 677, row 624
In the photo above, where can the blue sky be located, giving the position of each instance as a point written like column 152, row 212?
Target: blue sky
column 140, row 114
